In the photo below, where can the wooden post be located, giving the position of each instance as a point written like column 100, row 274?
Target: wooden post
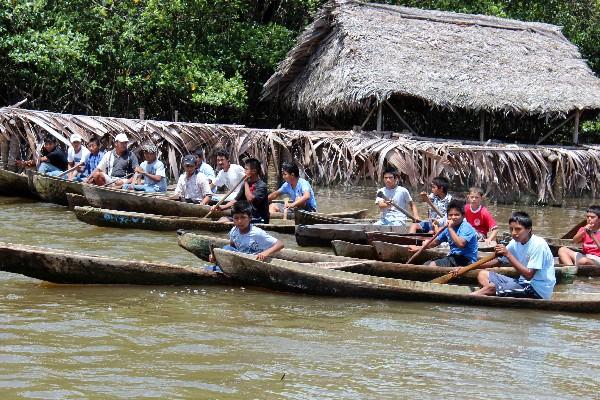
column 142, row 113
column 380, row 117
column 576, row 127
column 481, row 126
column 14, row 152
column 176, row 118
column 4, row 152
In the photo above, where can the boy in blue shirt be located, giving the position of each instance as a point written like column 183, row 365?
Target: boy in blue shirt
column 151, row 170
column 297, row 189
column 459, row 234
column 529, row 255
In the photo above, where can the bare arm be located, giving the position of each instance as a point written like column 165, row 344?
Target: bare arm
column 271, row 250
column 273, row 195
column 522, row 269
column 459, row 241
column 413, row 207
column 300, row 202
column 492, row 234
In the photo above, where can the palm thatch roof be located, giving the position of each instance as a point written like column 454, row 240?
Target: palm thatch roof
column 505, row 171
column 356, row 54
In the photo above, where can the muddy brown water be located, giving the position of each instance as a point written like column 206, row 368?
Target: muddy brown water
column 61, row 341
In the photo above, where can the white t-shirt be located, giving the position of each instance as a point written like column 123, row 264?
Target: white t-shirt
column 78, row 157
column 194, row 188
column 234, row 175
column 398, row 195
column 535, row 254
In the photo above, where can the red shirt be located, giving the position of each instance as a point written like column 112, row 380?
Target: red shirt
column 588, row 246
column 482, row 220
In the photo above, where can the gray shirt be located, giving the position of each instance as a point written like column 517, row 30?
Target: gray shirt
column 118, row 166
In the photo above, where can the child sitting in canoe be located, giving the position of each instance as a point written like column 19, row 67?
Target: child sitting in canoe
column 393, row 193
column 298, row 190
column 192, row 187
column 244, row 237
column 152, row 171
column 589, row 238
column 479, row 216
column 460, row 236
column 440, row 198
column 530, row 255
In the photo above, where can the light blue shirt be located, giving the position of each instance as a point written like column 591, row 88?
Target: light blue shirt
column 400, row 196
column 253, row 242
column 535, row 254
column 297, row 192
column 207, row 170
column 156, row 168
column 467, row 232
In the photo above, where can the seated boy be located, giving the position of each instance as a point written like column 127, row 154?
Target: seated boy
column 390, row 215
column 479, row 216
column 459, row 234
column 247, row 238
column 52, row 161
column 152, row 170
column 529, row 255
column 440, row 198
column 192, row 187
column 76, row 156
column 298, row 190
column 589, row 237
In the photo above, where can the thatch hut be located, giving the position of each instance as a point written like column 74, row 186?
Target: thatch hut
column 364, row 58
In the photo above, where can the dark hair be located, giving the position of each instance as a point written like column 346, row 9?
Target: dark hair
column 594, row 209
column 521, row 218
column 290, row 168
column 223, row 153
column 390, row 170
column 199, row 152
column 456, row 204
column 476, row 189
column 94, row 140
column 253, row 163
column 441, row 182
column 241, row 207
column 49, row 139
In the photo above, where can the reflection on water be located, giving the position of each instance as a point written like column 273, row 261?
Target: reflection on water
column 61, row 341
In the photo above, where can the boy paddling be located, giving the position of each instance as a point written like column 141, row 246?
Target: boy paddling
column 394, row 193
column 440, row 198
column 529, row 255
column 480, row 217
column 192, row 187
column 298, row 190
column 589, row 238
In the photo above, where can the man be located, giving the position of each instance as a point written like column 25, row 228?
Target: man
column 229, row 174
column 116, row 165
column 52, row 161
column 151, row 170
column 203, row 167
column 76, row 155
column 192, row 187
column 298, row 190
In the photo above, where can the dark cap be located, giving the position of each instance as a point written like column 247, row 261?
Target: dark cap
column 189, row 160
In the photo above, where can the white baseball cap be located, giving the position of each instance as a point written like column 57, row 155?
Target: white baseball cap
column 75, row 138
column 121, row 137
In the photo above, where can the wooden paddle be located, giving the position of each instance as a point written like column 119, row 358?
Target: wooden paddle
column 573, row 231
column 424, row 247
column 451, row 275
column 433, row 207
column 402, row 210
column 285, row 209
column 226, row 195
column 69, row 170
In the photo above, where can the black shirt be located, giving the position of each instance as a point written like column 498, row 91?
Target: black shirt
column 260, row 204
column 56, row 157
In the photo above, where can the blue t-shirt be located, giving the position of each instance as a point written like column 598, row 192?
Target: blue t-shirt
column 207, row 170
column 467, row 232
column 253, row 242
column 535, row 254
column 297, row 192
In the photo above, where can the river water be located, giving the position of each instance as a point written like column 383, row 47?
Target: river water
column 71, row 341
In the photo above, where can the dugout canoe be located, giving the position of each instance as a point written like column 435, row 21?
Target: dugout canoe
column 13, row 184
column 76, row 200
column 133, row 220
column 323, row 234
column 53, row 189
column 302, row 217
column 289, row 276
column 59, row 266
column 400, row 253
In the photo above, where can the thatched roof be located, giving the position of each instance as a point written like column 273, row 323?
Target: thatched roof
column 356, row 54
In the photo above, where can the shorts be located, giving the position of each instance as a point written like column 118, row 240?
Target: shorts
column 452, row 260
column 480, row 236
column 511, row 287
column 391, row 222
column 579, row 256
column 426, row 226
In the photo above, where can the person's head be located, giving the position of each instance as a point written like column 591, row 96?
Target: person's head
column 76, row 140
column 189, row 164
column 150, row 151
column 199, row 153
column 242, row 214
column 475, row 197
column 456, row 211
column 252, row 166
column 49, row 143
column 439, row 186
column 93, row 145
column 390, row 177
column 121, row 142
column 592, row 216
column 223, row 159
column 289, row 172
column 520, row 226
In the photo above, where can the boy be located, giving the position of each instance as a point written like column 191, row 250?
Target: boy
column 460, row 236
column 152, row 170
column 203, row 167
column 589, row 237
column 229, row 174
column 76, row 155
column 440, row 198
column 192, row 187
column 390, row 215
column 530, row 255
column 91, row 161
column 298, row 190
column 116, row 164
column 480, row 217
column 254, row 191
column 52, row 161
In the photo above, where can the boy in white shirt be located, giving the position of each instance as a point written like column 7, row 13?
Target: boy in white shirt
column 76, row 155
column 229, row 174
column 192, row 186
column 152, row 170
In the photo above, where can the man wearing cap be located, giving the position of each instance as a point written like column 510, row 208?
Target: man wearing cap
column 152, row 170
column 52, row 161
column 116, row 165
column 203, row 167
column 76, row 155
column 192, row 187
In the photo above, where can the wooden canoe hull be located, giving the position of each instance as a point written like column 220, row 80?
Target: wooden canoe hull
column 13, row 184
column 133, row 220
column 323, row 234
column 310, row 279
column 76, row 200
column 65, row 267
column 52, row 189
column 312, row 218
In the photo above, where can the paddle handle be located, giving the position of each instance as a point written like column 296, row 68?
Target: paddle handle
column 285, row 209
column 402, row 210
column 69, row 170
column 573, row 231
column 226, row 195
column 424, row 247
column 433, row 207
column 449, row 276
